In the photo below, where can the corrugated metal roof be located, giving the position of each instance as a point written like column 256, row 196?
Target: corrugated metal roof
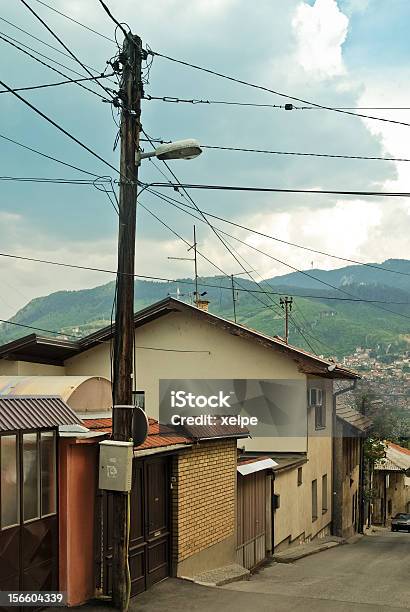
column 354, row 418
column 257, row 465
column 34, row 412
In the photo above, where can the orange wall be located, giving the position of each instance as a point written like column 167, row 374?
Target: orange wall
column 77, row 494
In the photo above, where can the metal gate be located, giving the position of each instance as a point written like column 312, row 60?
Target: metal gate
column 149, row 548
column 251, row 519
column 28, row 500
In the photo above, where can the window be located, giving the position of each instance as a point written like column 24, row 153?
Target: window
column 317, row 401
column 48, row 473
column 9, row 481
column 300, row 475
column 314, row 500
column 324, row 494
column 31, row 499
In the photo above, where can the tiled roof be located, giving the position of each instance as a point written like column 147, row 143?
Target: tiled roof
column 218, row 430
column 354, row 418
column 158, row 436
column 397, row 459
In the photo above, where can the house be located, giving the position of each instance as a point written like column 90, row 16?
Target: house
column 351, row 429
column 391, row 484
column 175, row 341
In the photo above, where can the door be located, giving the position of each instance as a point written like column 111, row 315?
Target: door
column 251, row 519
column 28, row 517
column 149, row 547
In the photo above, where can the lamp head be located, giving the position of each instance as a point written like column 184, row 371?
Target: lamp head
column 179, row 149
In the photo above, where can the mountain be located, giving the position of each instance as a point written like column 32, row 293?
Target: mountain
column 319, row 322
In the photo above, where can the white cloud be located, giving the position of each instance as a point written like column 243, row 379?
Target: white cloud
column 320, row 32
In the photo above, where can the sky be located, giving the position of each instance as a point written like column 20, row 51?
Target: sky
column 336, row 53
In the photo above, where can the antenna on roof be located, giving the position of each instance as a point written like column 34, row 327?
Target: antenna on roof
column 199, row 303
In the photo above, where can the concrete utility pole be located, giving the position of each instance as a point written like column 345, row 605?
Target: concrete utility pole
column 130, row 94
column 286, row 304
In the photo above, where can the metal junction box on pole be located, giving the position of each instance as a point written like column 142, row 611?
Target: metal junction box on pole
column 115, row 473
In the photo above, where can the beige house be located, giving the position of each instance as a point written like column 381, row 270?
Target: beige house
column 174, row 340
column 351, row 428
column 391, row 484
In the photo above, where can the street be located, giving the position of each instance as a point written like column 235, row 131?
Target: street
column 372, row 574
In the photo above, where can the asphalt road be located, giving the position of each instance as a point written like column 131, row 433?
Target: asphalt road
column 372, row 575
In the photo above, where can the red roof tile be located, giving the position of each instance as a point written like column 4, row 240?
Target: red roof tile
column 157, row 436
column 405, row 451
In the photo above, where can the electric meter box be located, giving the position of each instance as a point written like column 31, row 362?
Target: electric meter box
column 115, row 472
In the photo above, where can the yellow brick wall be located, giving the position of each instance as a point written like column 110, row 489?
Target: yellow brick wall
column 203, row 497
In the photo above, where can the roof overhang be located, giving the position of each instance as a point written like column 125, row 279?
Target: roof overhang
column 256, row 466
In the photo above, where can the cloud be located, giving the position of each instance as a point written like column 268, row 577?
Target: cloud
column 320, row 32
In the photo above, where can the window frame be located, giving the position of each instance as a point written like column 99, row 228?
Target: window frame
column 325, row 493
column 317, row 401
column 300, row 476
column 315, row 515
column 18, row 492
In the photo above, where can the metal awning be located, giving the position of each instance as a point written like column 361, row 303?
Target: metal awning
column 34, row 412
column 256, row 466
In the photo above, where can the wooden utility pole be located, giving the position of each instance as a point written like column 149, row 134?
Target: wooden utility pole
column 130, row 95
column 233, row 297
column 286, row 304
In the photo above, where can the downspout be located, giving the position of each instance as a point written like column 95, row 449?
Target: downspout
column 334, row 422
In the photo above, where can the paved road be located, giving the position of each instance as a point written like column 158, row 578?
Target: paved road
column 372, row 575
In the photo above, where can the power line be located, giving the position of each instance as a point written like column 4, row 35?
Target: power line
column 75, row 21
column 58, row 181
column 277, row 190
column 307, row 274
column 43, row 42
column 48, row 65
column 47, row 85
column 227, row 247
column 287, row 107
column 58, row 39
column 188, row 282
column 294, row 244
column 295, row 153
column 59, row 161
column 277, row 93
column 56, row 125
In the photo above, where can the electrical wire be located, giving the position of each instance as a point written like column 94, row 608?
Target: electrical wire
column 185, row 192
column 299, row 246
column 48, row 65
column 47, row 85
column 188, row 282
column 58, row 181
column 299, row 154
column 44, row 43
column 405, row 194
column 307, row 274
column 75, row 21
column 287, row 107
column 59, row 161
column 58, row 39
column 277, row 93
column 56, row 125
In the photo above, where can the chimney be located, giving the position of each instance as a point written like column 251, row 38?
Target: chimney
column 202, row 304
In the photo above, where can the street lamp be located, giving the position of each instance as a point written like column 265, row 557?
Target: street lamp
column 179, row 149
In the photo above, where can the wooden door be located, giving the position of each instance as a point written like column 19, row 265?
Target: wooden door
column 251, row 519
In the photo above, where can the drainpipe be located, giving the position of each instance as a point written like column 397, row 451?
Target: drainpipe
column 336, row 481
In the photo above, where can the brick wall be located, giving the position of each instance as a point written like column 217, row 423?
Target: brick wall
column 203, row 497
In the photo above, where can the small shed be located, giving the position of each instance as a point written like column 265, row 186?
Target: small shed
column 82, row 393
column 29, row 490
